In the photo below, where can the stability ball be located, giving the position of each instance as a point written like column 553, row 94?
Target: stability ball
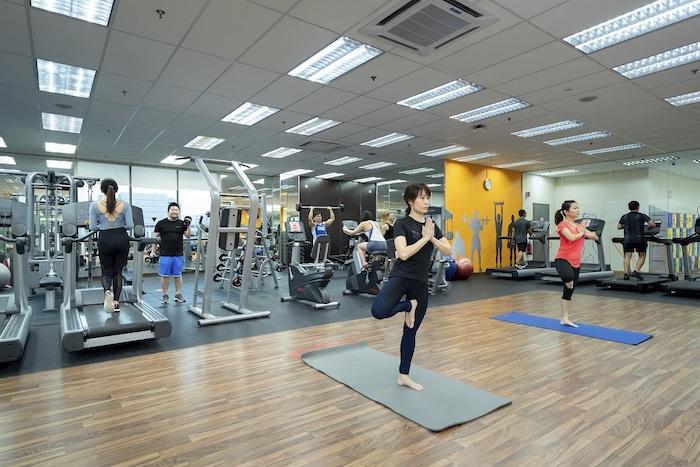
column 5, row 276
column 465, row 269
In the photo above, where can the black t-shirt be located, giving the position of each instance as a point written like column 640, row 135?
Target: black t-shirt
column 389, row 232
column 521, row 227
column 633, row 223
column 417, row 266
column 171, row 234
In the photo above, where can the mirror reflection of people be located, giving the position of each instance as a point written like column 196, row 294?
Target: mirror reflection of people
column 633, row 224
column 370, row 228
column 388, row 228
column 317, row 224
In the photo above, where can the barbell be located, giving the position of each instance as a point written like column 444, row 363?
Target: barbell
column 340, row 207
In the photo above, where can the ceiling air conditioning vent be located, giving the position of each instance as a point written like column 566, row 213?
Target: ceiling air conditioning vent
column 426, row 25
column 320, row 146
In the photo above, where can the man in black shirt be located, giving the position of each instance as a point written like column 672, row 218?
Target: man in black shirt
column 633, row 223
column 521, row 227
column 172, row 260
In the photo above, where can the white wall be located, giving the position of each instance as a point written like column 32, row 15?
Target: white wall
column 673, row 192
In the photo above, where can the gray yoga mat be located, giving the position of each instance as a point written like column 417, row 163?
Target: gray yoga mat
column 444, row 402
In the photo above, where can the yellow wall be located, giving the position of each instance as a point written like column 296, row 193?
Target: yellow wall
column 465, row 195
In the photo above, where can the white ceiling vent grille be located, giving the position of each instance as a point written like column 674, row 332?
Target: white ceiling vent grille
column 426, row 25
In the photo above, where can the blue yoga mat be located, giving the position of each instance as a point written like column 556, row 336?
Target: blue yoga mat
column 588, row 330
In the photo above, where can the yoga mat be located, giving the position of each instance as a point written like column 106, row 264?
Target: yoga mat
column 444, row 402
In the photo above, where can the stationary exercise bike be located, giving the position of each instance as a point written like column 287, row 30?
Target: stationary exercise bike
column 360, row 281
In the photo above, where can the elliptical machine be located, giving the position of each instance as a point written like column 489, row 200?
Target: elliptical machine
column 308, row 281
column 365, row 282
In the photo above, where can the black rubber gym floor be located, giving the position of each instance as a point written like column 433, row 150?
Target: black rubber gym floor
column 44, row 351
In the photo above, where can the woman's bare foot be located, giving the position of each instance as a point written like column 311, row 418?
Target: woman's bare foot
column 410, row 317
column 567, row 322
column 404, row 380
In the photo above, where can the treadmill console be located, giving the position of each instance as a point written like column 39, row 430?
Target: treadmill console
column 653, row 230
column 595, row 225
column 295, row 231
column 540, row 229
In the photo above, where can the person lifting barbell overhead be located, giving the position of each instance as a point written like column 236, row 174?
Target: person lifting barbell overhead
column 170, row 231
column 316, row 223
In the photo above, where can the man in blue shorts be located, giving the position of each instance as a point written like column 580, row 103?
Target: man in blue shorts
column 170, row 231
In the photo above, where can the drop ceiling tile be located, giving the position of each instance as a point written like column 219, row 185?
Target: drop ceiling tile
column 402, row 125
column 139, row 17
column 581, row 87
column 340, row 132
column 386, row 68
column 191, row 123
column 169, row 98
column 135, row 57
column 564, row 73
column 224, row 130
column 285, row 91
column 322, row 100
column 101, row 111
column 411, row 84
column 386, row 114
column 283, row 120
column 355, row 108
column 141, row 134
column 153, row 118
column 337, row 16
column 14, row 30
column 17, row 70
column 193, row 70
column 212, row 106
column 531, row 7
column 242, row 81
column 110, row 87
column 279, row 5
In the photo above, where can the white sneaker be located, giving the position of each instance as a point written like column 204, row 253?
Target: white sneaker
column 109, row 301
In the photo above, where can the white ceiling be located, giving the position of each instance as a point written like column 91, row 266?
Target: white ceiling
column 161, row 82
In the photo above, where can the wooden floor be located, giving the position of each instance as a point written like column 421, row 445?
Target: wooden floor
column 576, row 401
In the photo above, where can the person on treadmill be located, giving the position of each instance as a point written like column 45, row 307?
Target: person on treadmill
column 633, row 223
column 170, row 231
column 521, row 228
column 318, row 226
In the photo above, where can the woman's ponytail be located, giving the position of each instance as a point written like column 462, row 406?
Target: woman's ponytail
column 109, row 187
column 565, row 206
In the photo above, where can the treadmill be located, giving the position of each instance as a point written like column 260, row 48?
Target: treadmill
column 15, row 312
column 540, row 233
column 651, row 281
column 690, row 285
column 84, row 322
column 590, row 272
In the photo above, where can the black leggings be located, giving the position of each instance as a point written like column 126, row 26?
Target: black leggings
column 113, row 248
column 567, row 273
column 389, row 302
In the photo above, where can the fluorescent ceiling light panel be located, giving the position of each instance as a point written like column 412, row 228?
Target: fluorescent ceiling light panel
column 659, row 62
column 367, row 179
column 59, row 148
column 624, row 147
column 249, row 114
column 491, row 110
column 2, row 143
column 446, row 150
column 554, row 173
column 419, row 170
column 313, row 126
column 651, row 160
column 643, row 20
column 260, row 181
column 578, row 138
column 684, row 99
column 377, row 165
column 56, row 122
column 391, row 138
column 335, row 60
column 476, row 157
column 440, row 175
column 175, row 160
column 330, row 175
column 391, row 182
column 433, row 185
column 294, row 173
column 93, row 11
column 7, row 160
column 204, row 143
column 343, row 160
column 60, row 78
column 440, row 95
column 516, row 164
column 551, row 128
column 52, row 164
column 281, row 153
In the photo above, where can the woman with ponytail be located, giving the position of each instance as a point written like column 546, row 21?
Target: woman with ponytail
column 112, row 218
column 568, row 259
column 414, row 240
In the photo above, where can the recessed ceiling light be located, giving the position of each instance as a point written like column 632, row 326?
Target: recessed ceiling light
column 684, row 99
column 643, row 20
column 175, row 160
column 554, row 173
column 2, row 143
column 330, row 175
column 60, row 78
column 392, row 182
column 343, row 160
column 419, row 170
column 294, row 173
column 516, row 164
column 377, row 165
column 391, row 138
column 93, row 11
column 624, row 147
column 440, row 175
column 491, row 110
column 59, row 148
column 651, row 160
column 367, row 179
column 433, row 185
column 56, row 122
column 440, row 95
column 551, row 128
column 659, row 62
column 476, row 157
column 249, row 114
column 578, row 138
column 53, row 164
column 281, row 153
column 204, row 143
column 313, row 126
column 335, row 60
column 446, row 150
column 7, row 160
